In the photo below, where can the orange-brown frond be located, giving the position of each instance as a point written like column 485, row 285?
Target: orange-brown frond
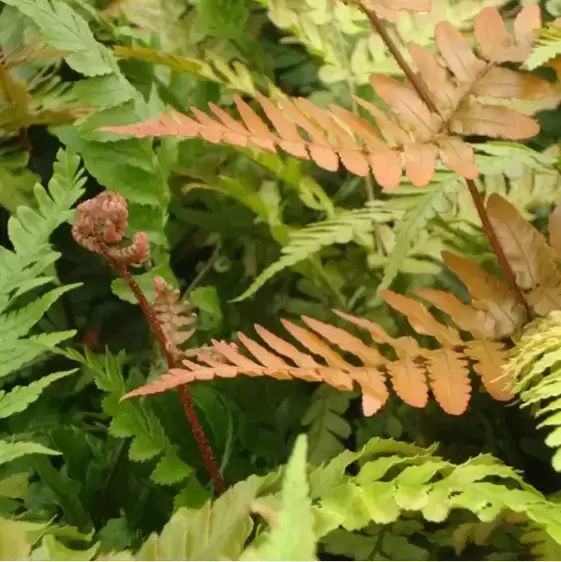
column 489, row 358
column 500, row 313
column 416, row 133
column 449, row 377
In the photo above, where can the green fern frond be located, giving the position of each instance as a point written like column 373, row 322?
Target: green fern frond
column 292, row 534
column 438, row 200
column 10, row 451
column 305, row 243
column 22, row 269
column 397, row 477
column 138, row 423
column 535, row 366
column 325, row 423
column 20, row 397
column 29, row 230
column 548, row 46
column 217, row 531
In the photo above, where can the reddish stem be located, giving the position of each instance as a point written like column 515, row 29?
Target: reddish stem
column 188, row 405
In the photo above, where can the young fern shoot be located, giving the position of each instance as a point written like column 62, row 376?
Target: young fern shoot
column 100, row 227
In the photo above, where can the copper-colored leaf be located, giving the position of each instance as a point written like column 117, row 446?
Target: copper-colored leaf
column 420, row 319
column 489, row 358
column 500, row 82
column 504, row 314
column 385, row 163
column 457, row 53
column 546, row 297
column 449, row 376
column 261, row 135
column 491, row 34
column 403, row 345
column 407, row 106
column 420, row 162
column 409, row 381
column 497, row 121
column 347, row 342
column 458, row 156
column 371, row 380
column 435, row 77
column 464, row 316
column 320, row 149
column 374, row 391
column 524, row 246
column 292, row 142
column 391, row 130
column 527, row 21
column 349, row 151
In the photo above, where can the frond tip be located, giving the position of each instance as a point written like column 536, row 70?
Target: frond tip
column 100, row 226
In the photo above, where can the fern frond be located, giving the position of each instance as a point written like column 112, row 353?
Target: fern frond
column 355, row 53
column 20, row 397
column 416, row 370
column 435, row 203
column 325, row 424
column 411, row 130
column 493, row 314
column 29, row 230
column 393, row 480
column 22, row 270
column 534, row 366
column 10, row 451
column 292, row 535
column 304, row 243
column 137, row 422
column 173, row 314
column 216, row 531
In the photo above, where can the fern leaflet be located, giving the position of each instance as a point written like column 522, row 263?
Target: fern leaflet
column 308, row 241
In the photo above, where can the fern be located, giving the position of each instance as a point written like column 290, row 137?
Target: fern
column 494, row 313
column 397, row 477
column 23, row 270
column 308, row 241
column 394, row 480
column 325, row 423
column 127, row 166
column 436, row 202
column 412, row 130
column 218, row 530
column 20, row 397
column 292, row 535
column 341, row 34
column 535, row 367
column 136, row 422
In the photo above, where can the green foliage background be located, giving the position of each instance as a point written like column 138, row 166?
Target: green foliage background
column 248, row 237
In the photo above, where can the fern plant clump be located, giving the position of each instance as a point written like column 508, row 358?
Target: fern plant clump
column 288, row 285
